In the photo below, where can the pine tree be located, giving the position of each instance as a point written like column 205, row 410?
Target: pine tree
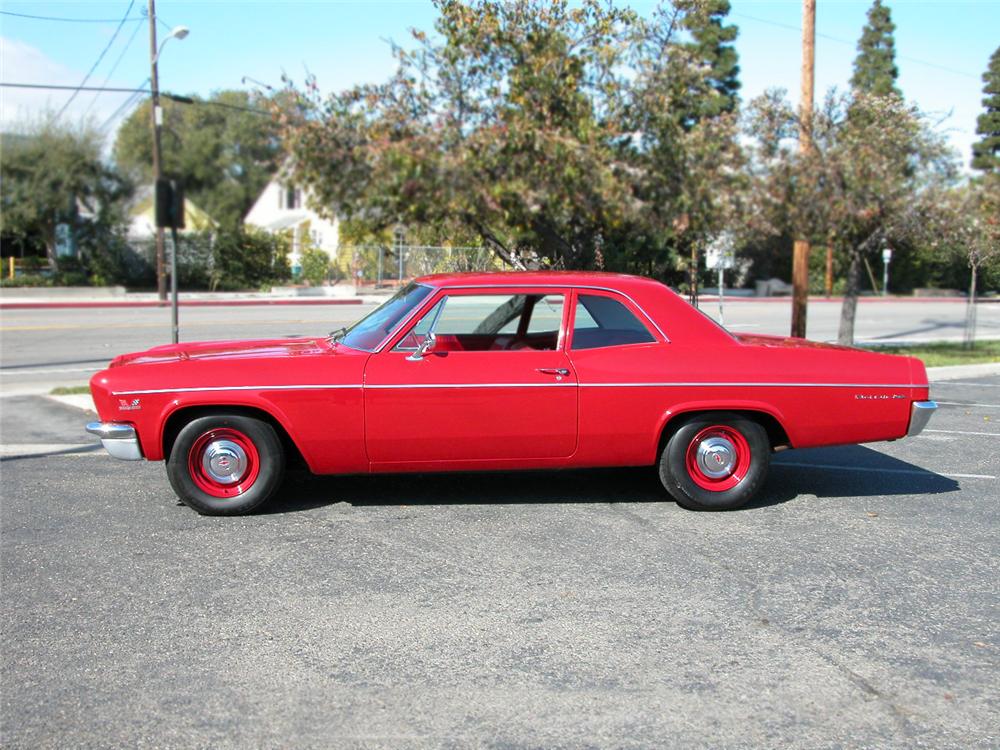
column 875, row 70
column 986, row 152
column 712, row 46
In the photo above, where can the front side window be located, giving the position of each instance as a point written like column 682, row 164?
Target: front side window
column 603, row 321
column 490, row 322
column 368, row 332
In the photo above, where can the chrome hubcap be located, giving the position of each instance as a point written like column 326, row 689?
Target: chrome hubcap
column 224, row 461
column 716, row 457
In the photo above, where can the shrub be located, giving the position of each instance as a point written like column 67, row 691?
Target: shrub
column 249, row 259
column 315, row 266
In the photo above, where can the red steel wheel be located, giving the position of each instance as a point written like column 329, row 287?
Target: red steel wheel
column 718, row 458
column 715, row 460
column 224, row 462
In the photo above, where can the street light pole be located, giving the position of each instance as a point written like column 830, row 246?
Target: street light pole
column 157, row 114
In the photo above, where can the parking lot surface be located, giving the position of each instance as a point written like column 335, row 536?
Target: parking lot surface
column 854, row 604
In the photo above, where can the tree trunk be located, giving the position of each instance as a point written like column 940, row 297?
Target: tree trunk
column 969, row 341
column 849, row 308
column 52, row 255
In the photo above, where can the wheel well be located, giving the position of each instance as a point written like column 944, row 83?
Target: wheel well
column 776, row 435
column 177, row 420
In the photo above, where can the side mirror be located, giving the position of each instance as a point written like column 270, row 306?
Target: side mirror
column 427, row 345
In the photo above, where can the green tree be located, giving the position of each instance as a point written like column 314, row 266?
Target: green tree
column 875, row 70
column 556, row 135
column 986, row 151
column 712, row 45
column 50, row 174
column 222, row 147
column 867, row 181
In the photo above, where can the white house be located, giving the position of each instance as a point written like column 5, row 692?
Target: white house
column 282, row 207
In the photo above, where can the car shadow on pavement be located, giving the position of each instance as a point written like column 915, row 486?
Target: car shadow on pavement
column 842, row 472
column 846, row 471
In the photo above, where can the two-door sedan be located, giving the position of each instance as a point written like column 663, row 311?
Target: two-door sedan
column 499, row 371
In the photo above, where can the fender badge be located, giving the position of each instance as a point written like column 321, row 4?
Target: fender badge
column 125, row 405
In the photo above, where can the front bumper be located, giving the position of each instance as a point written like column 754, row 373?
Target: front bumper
column 920, row 415
column 118, row 439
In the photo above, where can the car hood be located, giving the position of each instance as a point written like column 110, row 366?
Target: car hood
column 215, row 350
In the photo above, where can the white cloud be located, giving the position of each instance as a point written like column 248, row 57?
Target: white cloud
column 22, row 63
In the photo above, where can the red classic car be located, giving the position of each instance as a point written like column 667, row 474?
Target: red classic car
column 533, row 370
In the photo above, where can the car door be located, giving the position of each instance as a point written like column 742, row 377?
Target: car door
column 497, row 387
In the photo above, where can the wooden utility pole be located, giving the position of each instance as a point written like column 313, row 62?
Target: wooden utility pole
column 800, row 257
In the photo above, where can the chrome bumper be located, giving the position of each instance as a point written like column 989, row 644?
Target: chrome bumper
column 920, row 415
column 118, row 439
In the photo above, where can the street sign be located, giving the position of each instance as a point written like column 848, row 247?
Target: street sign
column 721, row 253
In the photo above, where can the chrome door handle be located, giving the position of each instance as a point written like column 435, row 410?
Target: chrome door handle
column 554, row 371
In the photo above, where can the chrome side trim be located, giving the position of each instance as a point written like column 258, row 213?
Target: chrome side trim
column 308, row 387
column 471, row 385
column 513, row 285
column 920, row 415
column 321, row 387
column 118, row 439
column 749, row 385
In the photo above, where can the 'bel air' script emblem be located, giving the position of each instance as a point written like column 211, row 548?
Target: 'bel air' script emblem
column 125, row 405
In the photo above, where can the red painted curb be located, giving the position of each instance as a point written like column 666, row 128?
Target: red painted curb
column 182, row 303
column 814, row 300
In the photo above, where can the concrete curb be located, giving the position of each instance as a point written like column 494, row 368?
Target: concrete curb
column 82, row 401
column 957, row 372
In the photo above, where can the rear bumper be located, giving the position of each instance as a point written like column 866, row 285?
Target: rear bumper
column 920, row 415
column 118, row 439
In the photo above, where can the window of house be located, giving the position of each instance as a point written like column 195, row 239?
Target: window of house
column 604, row 321
column 490, row 322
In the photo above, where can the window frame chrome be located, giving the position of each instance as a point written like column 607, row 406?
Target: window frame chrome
column 565, row 336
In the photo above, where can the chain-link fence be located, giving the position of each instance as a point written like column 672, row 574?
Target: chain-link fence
column 382, row 266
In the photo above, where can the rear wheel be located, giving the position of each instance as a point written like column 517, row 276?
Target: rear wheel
column 715, row 461
column 226, row 464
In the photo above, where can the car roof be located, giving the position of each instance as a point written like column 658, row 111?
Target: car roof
column 539, row 278
column 656, row 301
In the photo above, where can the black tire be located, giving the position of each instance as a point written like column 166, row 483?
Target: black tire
column 715, row 461
column 208, row 446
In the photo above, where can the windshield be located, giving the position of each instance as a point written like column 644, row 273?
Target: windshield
column 368, row 332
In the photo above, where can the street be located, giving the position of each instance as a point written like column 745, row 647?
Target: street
column 853, row 604
column 44, row 348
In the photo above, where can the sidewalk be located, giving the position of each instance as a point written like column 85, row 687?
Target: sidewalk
column 115, row 297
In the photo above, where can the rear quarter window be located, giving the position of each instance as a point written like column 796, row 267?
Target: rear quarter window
column 604, row 321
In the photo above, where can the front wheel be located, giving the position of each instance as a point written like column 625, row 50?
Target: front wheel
column 715, row 461
column 225, row 464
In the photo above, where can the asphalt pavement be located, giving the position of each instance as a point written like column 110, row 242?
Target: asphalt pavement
column 854, row 604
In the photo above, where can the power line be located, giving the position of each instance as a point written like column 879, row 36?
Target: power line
column 99, row 58
column 792, row 27
column 68, row 20
column 179, row 98
column 57, row 87
column 114, row 67
column 129, row 101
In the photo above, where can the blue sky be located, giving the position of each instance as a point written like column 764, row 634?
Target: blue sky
column 942, row 48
